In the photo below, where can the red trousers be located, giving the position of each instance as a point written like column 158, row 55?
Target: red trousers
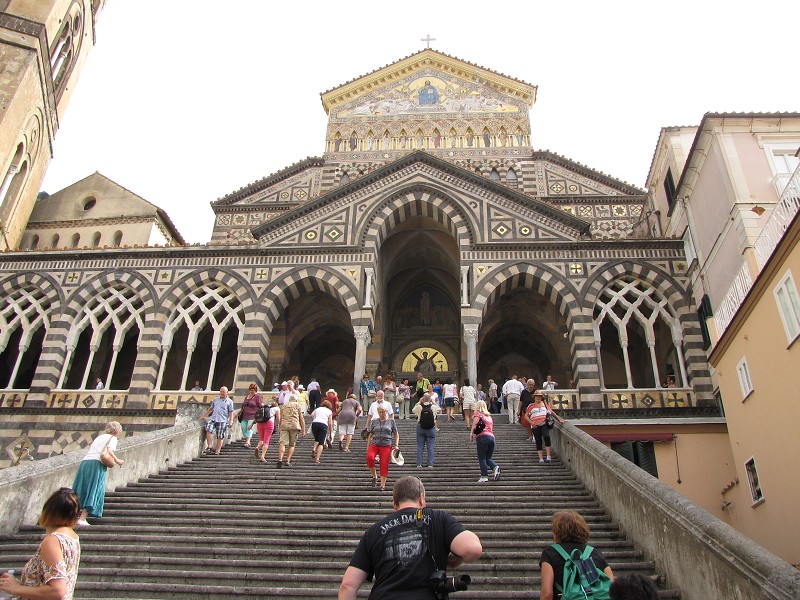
column 386, row 454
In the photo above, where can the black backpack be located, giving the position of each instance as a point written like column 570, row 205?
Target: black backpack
column 263, row 414
column 426, row 417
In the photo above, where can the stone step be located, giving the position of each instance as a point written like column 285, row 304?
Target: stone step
column 181, row 533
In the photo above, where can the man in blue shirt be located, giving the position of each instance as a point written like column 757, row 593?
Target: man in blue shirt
column 221, row 417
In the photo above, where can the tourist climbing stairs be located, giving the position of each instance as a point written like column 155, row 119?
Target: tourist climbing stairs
column 231, row 526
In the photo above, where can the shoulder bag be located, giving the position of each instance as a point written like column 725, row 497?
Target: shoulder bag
column 105, row 456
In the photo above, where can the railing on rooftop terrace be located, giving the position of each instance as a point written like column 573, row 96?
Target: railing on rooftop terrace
column 779, row 220
column 733, row 299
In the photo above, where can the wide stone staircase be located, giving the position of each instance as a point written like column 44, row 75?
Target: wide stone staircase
column 229, row 525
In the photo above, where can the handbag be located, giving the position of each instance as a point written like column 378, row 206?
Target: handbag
column 106, row 458
column 479, row 426
column 549, row 421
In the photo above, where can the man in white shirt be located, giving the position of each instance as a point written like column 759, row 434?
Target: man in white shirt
column 379, row 401
column 314, row 395
column 511, row 391
column 549, row 385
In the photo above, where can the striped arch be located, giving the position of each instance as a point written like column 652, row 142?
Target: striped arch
column 295, row 283
column 41, row 281
column 676, row 297
column 91, row 288
column 417, row 201
column 547, row 282
column 196, row 280
column 654, row 277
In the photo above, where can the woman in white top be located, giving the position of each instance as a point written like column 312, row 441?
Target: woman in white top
column 450, row 392
column 90, row 480
column 321, row 425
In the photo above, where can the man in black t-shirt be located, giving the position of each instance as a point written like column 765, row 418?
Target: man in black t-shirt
column 403, row 549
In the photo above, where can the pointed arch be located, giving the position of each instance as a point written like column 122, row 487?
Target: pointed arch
column 300, row 281
column 546, row 282
column 28, row 300
column 413, row 202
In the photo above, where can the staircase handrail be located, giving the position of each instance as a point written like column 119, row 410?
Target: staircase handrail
column 673, row 531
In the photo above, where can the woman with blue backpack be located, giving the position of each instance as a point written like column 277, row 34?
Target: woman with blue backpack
column 571, row 568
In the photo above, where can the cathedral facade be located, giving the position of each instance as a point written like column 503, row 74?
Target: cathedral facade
column 430, row 236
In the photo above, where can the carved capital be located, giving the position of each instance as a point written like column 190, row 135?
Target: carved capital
column 362, row 333
column 471, row 332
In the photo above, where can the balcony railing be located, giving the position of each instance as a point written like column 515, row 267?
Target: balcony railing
column 779, row 220
column 768, row 239
column 733, row 299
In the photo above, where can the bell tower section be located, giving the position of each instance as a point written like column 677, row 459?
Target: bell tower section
column 43, row 46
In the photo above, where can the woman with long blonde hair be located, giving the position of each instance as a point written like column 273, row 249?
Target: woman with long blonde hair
column 483, row 434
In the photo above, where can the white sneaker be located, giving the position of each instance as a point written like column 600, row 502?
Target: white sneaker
column 83, row 523
column 549, row 459
column 541, row 460
column 483, row 480
column 497, row 473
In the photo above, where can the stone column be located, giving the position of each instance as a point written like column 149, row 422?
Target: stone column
column 363, row 339
column 471, row 339
column 368, row 289
column 465, row 286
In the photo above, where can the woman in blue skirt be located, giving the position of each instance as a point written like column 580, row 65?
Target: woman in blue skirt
column 90, row 481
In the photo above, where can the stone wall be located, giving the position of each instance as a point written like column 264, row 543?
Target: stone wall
column 24, row 488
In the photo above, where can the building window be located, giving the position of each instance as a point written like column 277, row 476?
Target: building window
column 745, row 382
column 782, row 157
column 669, row 187
column 117, row 239
column 96, row 239
column 76, row 239
column 752, row 479
column 54, row 241
column 642, row 454
column 34, row 242
column 788, row 306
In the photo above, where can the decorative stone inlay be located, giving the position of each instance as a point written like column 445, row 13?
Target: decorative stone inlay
column 334, row 233
column 557, row 188
column 619, row 210
column 525, row 230
column 72, row 278
column 575, row 268
column 164, row 276
column 502, row 229
column 311, row 235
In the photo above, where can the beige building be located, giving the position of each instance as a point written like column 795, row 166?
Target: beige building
column 43, row 45
column 727, row 189
column 756, row 362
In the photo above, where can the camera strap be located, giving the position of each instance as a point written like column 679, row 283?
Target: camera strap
column 424, row 531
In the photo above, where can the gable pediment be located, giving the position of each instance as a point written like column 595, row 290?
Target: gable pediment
column 428, row 83
column 476, row 211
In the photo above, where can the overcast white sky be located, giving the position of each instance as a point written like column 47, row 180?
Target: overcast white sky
column 184, row 101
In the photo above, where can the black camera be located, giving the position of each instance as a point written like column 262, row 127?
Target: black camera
column 442, row 585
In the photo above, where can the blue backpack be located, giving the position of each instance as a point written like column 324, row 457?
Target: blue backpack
column 582, row 579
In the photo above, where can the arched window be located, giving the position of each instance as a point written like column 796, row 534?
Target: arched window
column 96, row 239
column 76, row 239
column 103, row 342
column 638, row 336
column 345, row 178
column 117, row 239
column 202, row 339
column 494, row 175
column 23, row 324
column 65, row 51
column 55, row 240
column 34, row 241
column 511, row 176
